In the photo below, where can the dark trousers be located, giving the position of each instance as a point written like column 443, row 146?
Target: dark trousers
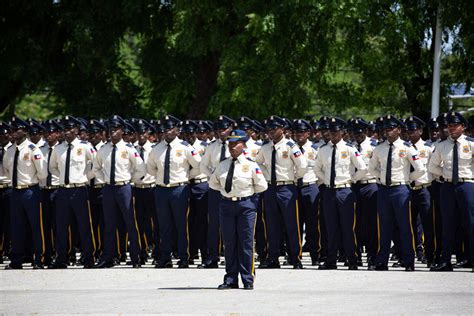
column 172, row 205
column 198, row 203
column 48, row 201
column 280, row 208
column 457, row 201
column 213, row 230
column 366, row 218
column 437, row 220
column 340, row 219
column 5, row 195
column 118, row 205
column 144, row 200
column 421, row 207
column 73, row 203
column 308, row 202
column 98, row 227
column 26, row 213
column 394, row 209
column 261, row 240
column 237, row 220
column 323, row 234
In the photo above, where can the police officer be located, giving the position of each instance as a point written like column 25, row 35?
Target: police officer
column 170, row 162
column 453, row 160
column 25, row 165
column 285, row 164
column 118, row 163
column 5, row 191
column 390, row 162
column 216, row 151
column 334, row 164
column 71, row 162
column 308, row 192
column 366, row 195
column 238, row 179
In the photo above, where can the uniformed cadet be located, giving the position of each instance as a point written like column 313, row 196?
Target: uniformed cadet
column 453, row 160
column 335, row 164
column 390, row 162
column 216, row 151
column 199, row 187
column 96, row 138
column 24, row 164
column 253, row 143
column 71, row 162
column 118, row 164
column 49, row 188
column 5, row 192
column 170, row 162
column 308, row 191
column 144, row 193
column 284, row 163
column 238, row 179
column 36, row 132
column 420, row 195
column 366, row 195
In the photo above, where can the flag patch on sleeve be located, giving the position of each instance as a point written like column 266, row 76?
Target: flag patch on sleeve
column 258, row 170
column 37, row 157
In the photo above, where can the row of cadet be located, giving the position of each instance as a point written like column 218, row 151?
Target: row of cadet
column 108, row 187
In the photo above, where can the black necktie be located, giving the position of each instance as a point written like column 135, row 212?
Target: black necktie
column 112, row 165
column 15, row 168
column 273, row 175
column 68, row 160
column 49, row 178
column 388, row 175
column 92, row 182
column 455, row 177
column 332, row 181
column 166, row 175
column 223, row 157
column 300, row 180
column 230, row 175
column 142, row 153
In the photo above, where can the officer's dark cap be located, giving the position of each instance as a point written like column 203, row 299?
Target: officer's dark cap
column 189, row 126
column 223, row 122
column 170, row 121
column 316, row 124
column 128, row 128
column 116, row 122
column 456, row 118
column 391, row 121
column 414, row 122
column 337, row 124
column 359, row 126
column 275, row 121
column 301, row 125
column 142, row 126
column 95, row 126
column 5, row 128
column 258, row 126
column 442, row 120
column 52, row 126
column 432, row 124
column 36, row 127
column 245, row 123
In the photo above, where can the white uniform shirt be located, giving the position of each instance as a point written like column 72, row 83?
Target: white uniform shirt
column 424, row 151
column 182, row 156
column 54, row 178
column 31, row 163
column 247, row 179
column 212, row 156
column 200, row 147
column 253, row 146
column 96, row 180
column 310, row 152
column 80, row 162
column 290, row 161
column 441, row 162
column 403, row 155
column 145, row 150
column 347, row 158
column 4, row 179
column 366, row 148
column 128, row 164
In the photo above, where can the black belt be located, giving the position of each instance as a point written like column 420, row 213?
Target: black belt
column 234, row 199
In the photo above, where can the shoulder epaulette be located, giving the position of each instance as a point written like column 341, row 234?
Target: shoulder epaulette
column 323, row 145
column 185, row 143
column 374, row 143
column 213, row 141
column 315, row 146
column 84, row 142
column 32, row 146
column 258, row 143
column 290, row 143
column 469, row 138
column 429, row 144
column 265, row 142
column 249, row 159
column 204, row 143
column 129, row 145
column 349, row 144
column 154, row 144
column 408, row 144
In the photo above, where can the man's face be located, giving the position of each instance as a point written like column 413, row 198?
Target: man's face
column 275, row 133
column 170, row 134
column 70, row 133
column 142, row 138
column 336, row 136
column 360, row 137
column 326, row 135
column 236, row 148
column 455, row 130
column 316, row 135
column 302, row 136
column 4, row 139
column 434, row 133
column 19, row 135
column 95, row 138
column 223, row 133
column 116, row 134
column 35, row 138
column 52, row 137
column 392, row 133
column 251, row 133
column 415, row 135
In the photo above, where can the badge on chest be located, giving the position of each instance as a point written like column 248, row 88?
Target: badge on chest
column 344, row 154
column 284, row 154
column 79, row 152
column 402, row 153
column 245, row 168
column 124, row 154
column 179, row 152
column 26, row 156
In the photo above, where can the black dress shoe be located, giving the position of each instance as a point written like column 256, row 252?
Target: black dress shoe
column 248, row 286
column 227, row 286
column 270, row 264
column 298, row 265
column 14, row 267
column 315, row 262
column 58, row 265
column 155, row 261
column 37, row 266
column 104, row 264
column 398, row 264
column 88, row 265
column 164, row 265
column 209, row 264
column 381, row 267
column 410, row 268
column 463, row 264
column 442, row 267
column 353, row 266
column 136, row 265
column 371, row 267
column 330, row 266
column 183, row 264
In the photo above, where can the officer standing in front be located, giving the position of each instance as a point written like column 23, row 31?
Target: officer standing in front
column 24, row 164
column 238, row 179
column 335, row 165
column 390, row 162
column 454, row 161
column 117, row 164
column 170, row 162
column 5, row 191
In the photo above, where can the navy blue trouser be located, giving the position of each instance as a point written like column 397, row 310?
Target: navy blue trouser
column 340, row 219
column 323, row 236
column 5, row 195
column 437, row 220
column 421, row 206
column 366, row 218
column 172, row 206
column 213, row 231
column 393, row 204
column 308, row 210
column 261, row 241
column 280, row 208
column 118, row 205
column 237, row 220
column 72, row 204
column 26, row 213
column 198, row 203
column 98, row 226
column 457, row 201
column 144, row 199
column 48, row 201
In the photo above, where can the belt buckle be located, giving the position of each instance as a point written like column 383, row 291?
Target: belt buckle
column 234, row 198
